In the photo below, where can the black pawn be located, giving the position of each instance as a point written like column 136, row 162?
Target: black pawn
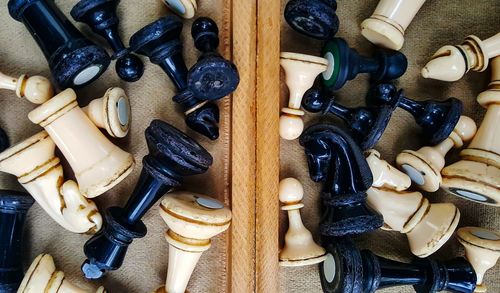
column 437, row 118
column 349, row 270
column 160, row 41
column 172, row 156
column 314, row 18
column 334, row 158
column 14, row 206
column 346, row 64
column 212, row 77
column 101, row 17
column 366, row 124
column 73, row 60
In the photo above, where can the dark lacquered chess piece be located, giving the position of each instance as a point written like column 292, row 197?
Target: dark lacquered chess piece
column 366, row 124
column 349, row 270
column 160, row 41
column 334, row 158
column 73, row 60
column 101, row 17
column 437, row 118
column 172, row 156
column 314, row 18
column 345, row 64
column 4, row 140
column 13, row 208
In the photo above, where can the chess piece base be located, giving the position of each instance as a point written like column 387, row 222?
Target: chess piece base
column 184, row 8
column 382, row 33
column 419, row 170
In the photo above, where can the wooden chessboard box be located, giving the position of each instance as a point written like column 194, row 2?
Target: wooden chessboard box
column 249, row 156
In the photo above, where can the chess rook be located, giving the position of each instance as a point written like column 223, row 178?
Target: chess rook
column 314, row 18
column 36, row 89
column 184, row 8
column 73, row 60
column 172, row 156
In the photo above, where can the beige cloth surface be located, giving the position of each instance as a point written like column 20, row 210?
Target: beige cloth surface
column 438, row 23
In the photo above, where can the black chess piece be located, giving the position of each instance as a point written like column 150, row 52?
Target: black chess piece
column 437, row 118
column 73, row 60
column 345, row 64
column 101, row 17
column 160, row 41
column 366, row 124
column 14, row 206
column 334, row 158
column 4, row 140
column 314, row 18
column 172, row 156
column 349, row 270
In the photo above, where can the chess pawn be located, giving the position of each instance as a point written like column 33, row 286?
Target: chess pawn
column 450, row 63
column 436, row 118
column 428, row 226
column 184, row 8
column 97, row 163
column 101, row 17
column 73, row 60
column 476, row 176
column 192, row 220
column 39, row 171
column 482, row 250
column 36, row 89
column 345, row 63
column 42, row 276
column 314, row 18
column 300, row 72
column 14, row 206
column 386, row 27
column 300, row 248
column 424, row 166
column 172, row 156
column 366, row 124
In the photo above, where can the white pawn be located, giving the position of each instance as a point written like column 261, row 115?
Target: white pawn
column 36, row 89
column 300, row 248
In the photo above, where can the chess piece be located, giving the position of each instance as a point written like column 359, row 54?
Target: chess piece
column 300, row 71
column 97, row 163
column 366, row 124
column 476, row 176
column 424, row 166
column 482, row 250
column 101, row 17
column 300, row 248
column 345, row 63
column 450, row 63
column 160, row 41
column 386, row 27
column 4, row 140
column 184, row 8
column 192, row 220
column 73, row 60
column 36, row 89
column 349, row 270
column 172, row 156
column 314, row 18
column 212, row 77
column 437, row 118
column 13, row 208
column 427, row 225
column 39, row 171
column 334, row 158
column 42, row 276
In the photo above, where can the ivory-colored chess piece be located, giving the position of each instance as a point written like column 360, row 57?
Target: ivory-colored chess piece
column 386, row 27
column 300, row 70
column 477, row 175
column 184, row 8
column 39, row 171
column 37, row 89
column 424, row 166
column 300, row 248
column 192, row 220
column 97, row 163
column 427, row 225
column 42, row 276
column 482, row 250
column 450, row 63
